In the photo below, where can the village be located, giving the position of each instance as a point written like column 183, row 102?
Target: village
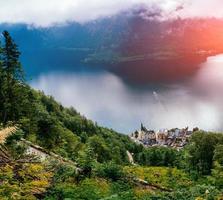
column 174, row 138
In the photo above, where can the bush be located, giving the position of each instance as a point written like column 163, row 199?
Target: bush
column 110, row 171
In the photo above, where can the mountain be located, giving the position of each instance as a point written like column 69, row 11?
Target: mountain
column 126, row 44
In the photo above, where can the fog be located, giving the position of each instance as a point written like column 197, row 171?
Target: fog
column 105, row 98
column 41, row 13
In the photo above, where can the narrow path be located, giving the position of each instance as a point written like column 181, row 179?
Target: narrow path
column 130, row 157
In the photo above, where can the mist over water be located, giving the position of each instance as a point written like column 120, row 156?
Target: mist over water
column 105, row 98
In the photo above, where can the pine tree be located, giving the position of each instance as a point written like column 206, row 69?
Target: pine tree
column 1, row 85
column 13, row 78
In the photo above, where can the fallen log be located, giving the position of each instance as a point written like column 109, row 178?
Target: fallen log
column 146, row 185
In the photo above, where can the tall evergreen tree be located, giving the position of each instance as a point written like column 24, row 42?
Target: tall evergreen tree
column 13, row 79
column 1, row 85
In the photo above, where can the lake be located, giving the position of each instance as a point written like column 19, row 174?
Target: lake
column 107, row 99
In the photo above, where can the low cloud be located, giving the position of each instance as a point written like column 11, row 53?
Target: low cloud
column 41, row 13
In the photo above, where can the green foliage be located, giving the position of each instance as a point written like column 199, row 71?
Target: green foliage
column 100, row 149
column 158, row 156
column 161, row 176
column 15, row 149
column 217, row 175
column 13, row 90
column 64, row 173
column 23, row 181
column 218, row 154
column 217, row 171
column 195, row 192
column 110, row 171
column 88, row 189
column 201, row 151
column 86, row 161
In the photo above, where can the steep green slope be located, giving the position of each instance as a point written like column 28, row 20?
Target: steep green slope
column 66, row 132
column 45, row 122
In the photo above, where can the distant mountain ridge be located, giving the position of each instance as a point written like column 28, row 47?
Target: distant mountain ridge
column 123, row 44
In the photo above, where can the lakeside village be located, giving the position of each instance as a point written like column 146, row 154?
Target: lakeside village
column 174, row 138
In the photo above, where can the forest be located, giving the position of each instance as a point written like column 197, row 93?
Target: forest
column 95, row 162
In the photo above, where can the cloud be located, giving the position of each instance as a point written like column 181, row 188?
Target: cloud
column 202, row 8
column 104, row 98
column 48, row 13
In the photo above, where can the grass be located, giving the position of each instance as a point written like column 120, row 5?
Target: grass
column 6, row 132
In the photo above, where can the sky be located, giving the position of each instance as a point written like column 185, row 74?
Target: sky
column 42, row 13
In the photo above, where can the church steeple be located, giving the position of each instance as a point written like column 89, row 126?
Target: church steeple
column 143, row 128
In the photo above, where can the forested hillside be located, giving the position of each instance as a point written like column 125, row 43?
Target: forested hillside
column 46, row 122
column 95, row 164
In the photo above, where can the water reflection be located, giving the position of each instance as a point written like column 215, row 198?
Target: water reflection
column 103, row 97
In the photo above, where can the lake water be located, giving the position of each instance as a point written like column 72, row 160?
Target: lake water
column 105, row 98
